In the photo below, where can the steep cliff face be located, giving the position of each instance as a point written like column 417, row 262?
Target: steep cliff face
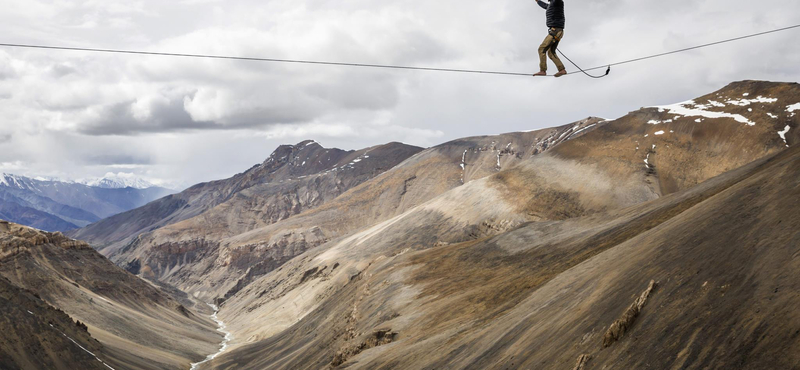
column 558, row 242
column 125, row 322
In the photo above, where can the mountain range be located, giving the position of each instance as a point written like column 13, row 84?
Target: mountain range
column 668, row 238
column 117, row 181
column 54, row 205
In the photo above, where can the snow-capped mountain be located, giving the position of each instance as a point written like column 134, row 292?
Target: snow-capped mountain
column 17, row 182
column 118, row 181
column 55, row 205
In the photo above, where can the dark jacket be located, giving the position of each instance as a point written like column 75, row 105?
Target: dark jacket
column 555, row 13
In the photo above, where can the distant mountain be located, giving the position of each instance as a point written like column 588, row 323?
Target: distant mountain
column 118, row 181
column 53, row 205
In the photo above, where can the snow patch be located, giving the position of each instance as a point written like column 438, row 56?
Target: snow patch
column 793, row 107
column 653, row 122
column 684, row 110
column 783, row 133
column 659, row 133
column 11, row 180
column 746, row 102
column 463, row 165
column 581, row 130
column 772, row 116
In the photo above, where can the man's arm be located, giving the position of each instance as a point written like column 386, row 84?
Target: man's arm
column 543, row 4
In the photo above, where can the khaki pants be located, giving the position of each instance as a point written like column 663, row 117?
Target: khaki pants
column 548, row 48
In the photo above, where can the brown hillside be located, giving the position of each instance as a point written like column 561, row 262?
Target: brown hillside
column 412, row 291
column 137, row 325
column 723, row 255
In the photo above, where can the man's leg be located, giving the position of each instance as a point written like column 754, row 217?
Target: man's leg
column 543, row 49
column 551, row 52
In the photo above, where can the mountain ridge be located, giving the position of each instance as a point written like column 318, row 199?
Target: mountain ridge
column 286, row 163
column 563, row 243
column 169, row 253
column 61, row 206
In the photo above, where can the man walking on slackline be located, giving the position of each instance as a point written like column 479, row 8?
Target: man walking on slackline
column 555, row 25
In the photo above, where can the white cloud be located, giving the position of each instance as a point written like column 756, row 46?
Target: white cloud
column 12, row 166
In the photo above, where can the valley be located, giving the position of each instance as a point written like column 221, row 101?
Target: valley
column 667, row 238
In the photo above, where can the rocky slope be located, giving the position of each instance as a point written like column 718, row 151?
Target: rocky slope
column 223, row 249
column 60, row 206
column 693, row 287
column 469, row 254
column 120, row 319
column 275, row 189
column 427, row 284
column 37, row 336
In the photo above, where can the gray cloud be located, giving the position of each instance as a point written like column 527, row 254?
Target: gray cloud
column 120, row 119
column 6, row 70
column 118, row 159
column 62, row 70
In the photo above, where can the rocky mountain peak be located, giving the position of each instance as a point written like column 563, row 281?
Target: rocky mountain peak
column 302, row 159
column 15, row 181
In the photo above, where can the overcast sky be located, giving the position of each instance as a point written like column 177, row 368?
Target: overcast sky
column 182, row 121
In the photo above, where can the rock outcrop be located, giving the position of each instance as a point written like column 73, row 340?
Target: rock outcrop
column 624, row 324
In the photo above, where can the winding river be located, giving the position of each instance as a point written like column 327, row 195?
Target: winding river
column 223, row 346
